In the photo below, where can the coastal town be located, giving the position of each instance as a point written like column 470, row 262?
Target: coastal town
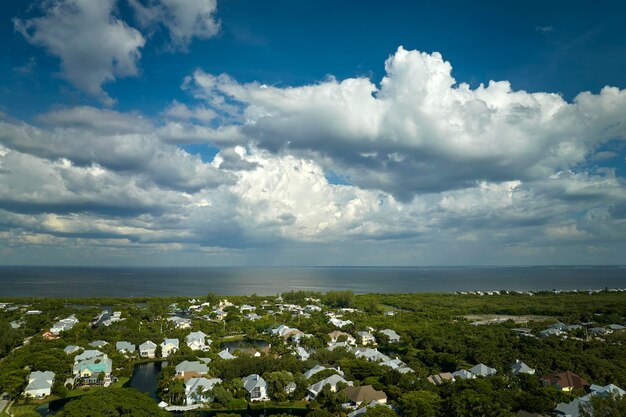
column 491, row 354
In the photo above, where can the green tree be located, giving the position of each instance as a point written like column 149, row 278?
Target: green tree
column 113, row 402
column 419, row 404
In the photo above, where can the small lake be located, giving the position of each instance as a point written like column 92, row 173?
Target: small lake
column 145, row 376
column 245, row 343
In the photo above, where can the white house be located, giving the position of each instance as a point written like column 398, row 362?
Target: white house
column 63, row 325
column 196, row 390
column 196, row 341
column 186, row 368
column 336, row 335
column 483, row 370
column 169, row 346
column 180, row 322
column 256, row 387
column 225, row 354
column 338, row 322
column 366, row 338
column 39, row 384
column 147, row 349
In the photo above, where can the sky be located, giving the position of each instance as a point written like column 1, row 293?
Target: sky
column 281, row 132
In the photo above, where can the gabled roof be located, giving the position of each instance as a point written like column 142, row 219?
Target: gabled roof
column 483, row 370
column 317, row 368
column 332, row 380
column 364, row 393
column 88, row 354
column 123, row 345
column 148, row 344
column 193, row 384
column 519, row 367
column 225, row 354
column 40, row 380
column 252, row 381
column 195, row 366
column 566, row 380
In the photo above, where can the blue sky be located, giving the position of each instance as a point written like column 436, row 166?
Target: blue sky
column 317, row 133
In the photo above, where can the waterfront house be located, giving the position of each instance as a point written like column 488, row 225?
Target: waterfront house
column 169, row 346
column 197, row 390
column 39, row 384
column 196, row 341
column 256, row 387
column 189, row 369
column 92, row 367
column 147, row 349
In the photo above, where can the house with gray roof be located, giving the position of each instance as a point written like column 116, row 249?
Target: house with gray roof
column 125, row 347
column 332, row 380
column 256, row 387
column 197, row 341
column 197, row 390
column 39, row 384
column 98, row 344
column 147, row 349
column 391, row 335
column 194, row 368
column 573, row 409
column 483, row 370
column 463, row 374
column 519, row 367
column 71, row 349
column 366, row 338
column 225, row 354
column 372, row 355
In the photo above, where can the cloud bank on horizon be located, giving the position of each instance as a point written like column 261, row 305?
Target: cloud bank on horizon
column 416, row 168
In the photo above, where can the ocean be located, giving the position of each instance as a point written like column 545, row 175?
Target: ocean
column 23, row 281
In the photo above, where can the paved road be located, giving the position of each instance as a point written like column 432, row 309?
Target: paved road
column 3, row 403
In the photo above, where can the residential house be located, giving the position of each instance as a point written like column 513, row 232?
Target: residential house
column 392, row 336
column 332, row 381
column 169, row 346
column 252, row 316
column 92, row 367
column 483, row 370
column 225, row 354
column 71, row 349
column 197, row 341
column 440, row 378
column 39, row 384
column 339, row 323
column 98, row 344
column 147, row 349
column 519, row 367
column 301, row 353
column 256, row 387
column 191, row 369
column 63, row 325
column 180, row 322
column 364, row 394
column 600, row 331
column 551, row 332
column 397, row 365
column 372, row 355
column 565, row 381
column 573, row 409
column 219, row 314
column 360, row 411
column 125, row 347
column 338, row 336
column 366, row 338
column 197, row 389
column 463, row 374
column 319, row 368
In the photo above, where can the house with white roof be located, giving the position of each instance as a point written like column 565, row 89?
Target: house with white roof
column 256, row 387
column 372, row 355
column 63, row 325
column 339, row 323
column 197, row 341
column 180, row 322
column 169, row 346
column 39, row 384
column 147, row 349
column 332, row 381
column 463, row 374
column 337, row 336
column 397, row 365
column 197, row 390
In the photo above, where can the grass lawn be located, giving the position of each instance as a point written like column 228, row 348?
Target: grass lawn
column 18, row 410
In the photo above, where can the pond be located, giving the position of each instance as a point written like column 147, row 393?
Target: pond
column 245, row 343
column 144, row 379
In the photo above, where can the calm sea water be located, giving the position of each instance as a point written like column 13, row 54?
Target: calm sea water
column 127, row 282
